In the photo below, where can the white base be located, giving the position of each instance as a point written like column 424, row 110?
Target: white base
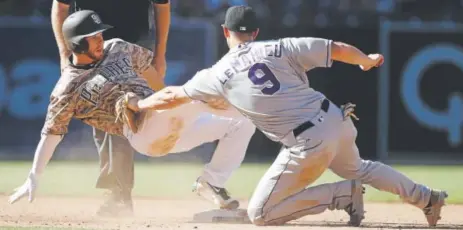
column 238, row 216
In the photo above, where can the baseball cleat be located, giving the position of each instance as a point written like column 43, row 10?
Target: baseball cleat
column 117, row 205
column 356, row 208
column 436, row 201
column 218, row 196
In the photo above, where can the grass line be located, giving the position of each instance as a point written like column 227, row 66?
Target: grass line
column 174, row 180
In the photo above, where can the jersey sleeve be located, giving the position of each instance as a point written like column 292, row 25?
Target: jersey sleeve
column 308, row 52
column 203, row 86
column 141, row 57
column 59, row 114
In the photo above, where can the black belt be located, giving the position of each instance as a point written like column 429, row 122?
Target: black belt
column 308, row 124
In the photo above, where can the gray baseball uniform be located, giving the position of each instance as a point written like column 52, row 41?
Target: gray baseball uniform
column 266, row 82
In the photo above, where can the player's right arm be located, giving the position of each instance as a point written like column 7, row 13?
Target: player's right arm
column 310, row 52
column 59, row 12
column 59, row 114
column 143, row 65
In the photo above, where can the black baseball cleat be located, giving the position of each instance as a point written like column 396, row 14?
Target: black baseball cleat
column 118, row 204
column 218, row 196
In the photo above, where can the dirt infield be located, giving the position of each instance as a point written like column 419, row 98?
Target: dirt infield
column 177, row 214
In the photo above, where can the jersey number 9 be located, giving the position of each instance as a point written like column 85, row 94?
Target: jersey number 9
column 260, row 74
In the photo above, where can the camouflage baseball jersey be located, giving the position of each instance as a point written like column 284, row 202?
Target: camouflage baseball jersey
column 266, row 81
column 89, row 93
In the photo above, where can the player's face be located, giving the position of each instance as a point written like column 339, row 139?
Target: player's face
column 95, row 46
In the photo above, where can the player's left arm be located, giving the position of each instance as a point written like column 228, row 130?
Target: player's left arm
column 162, row 21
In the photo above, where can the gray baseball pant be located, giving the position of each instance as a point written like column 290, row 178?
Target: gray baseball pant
column 282, row 194
column 116, row 162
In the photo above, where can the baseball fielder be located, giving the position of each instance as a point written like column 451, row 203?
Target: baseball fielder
column 101, row 76
column 266, row 82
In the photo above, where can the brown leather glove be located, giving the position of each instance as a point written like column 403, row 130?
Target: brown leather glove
column 128, row 116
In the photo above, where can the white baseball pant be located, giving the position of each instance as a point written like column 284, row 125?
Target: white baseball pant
column 188, row 126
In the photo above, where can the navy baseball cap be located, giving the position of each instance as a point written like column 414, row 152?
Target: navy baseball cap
column 241, row 19
column 81, row 24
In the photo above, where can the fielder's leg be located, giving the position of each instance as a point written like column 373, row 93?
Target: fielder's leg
column 349, row 165
column 282, row 196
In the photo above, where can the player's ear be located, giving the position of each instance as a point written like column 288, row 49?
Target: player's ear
column 226, row 32
column 255, row 33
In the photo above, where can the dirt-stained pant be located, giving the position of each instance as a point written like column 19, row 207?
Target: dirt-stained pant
column 188, row 126
column 282, row 193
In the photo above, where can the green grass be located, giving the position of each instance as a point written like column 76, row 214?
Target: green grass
column 174, row 180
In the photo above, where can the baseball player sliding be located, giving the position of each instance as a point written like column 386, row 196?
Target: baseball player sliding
column 266, row 82
column 102, row 76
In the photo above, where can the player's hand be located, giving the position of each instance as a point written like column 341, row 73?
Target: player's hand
column 376, row 60
column 132, row 102
column 218, row 104
column 160, row 65
column 27, row 189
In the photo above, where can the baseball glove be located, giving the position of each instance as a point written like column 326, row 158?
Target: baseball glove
column 348, row 111
column 128, row 116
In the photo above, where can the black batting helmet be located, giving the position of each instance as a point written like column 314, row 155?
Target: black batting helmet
column 81, row 24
